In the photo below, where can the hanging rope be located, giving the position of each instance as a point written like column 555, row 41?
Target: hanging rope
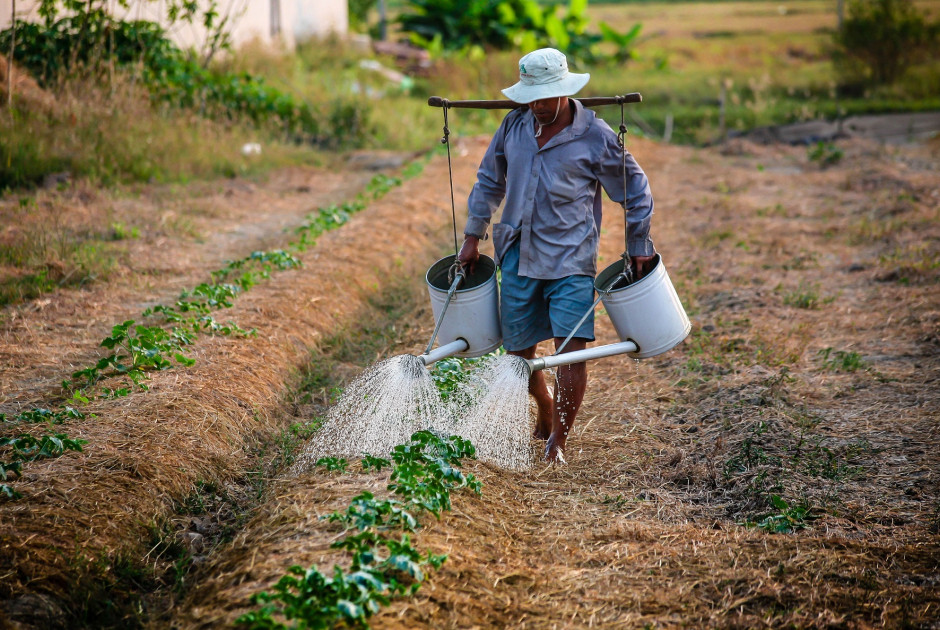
column 450, row 173
column 627, row 273
column 622, row 141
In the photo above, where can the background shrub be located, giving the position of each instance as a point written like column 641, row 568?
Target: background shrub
column 881, row 39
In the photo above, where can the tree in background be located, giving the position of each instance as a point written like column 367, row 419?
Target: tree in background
column 359, row 14
column 881, row 39
column 458, row 25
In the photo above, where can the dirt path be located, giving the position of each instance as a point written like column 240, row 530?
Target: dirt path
column 811, row 374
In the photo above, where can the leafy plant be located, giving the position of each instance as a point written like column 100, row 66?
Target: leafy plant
column 447, row 374
column 370, row 462
column 785, row 519
column 43, row 415
column 27, row 448
column 364, row 512
column 90, row 41
column 841, row 361
column 381, row 566
column 524, row 24
column 137, row 349
column 332, row 464
column 450, row 372
column 825, row 153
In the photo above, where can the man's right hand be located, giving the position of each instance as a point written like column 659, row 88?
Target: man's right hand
column 469, row 253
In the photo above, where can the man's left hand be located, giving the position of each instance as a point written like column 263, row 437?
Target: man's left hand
column 642, row 264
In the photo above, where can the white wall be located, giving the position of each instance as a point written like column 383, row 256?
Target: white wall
column 247, row 19
column 318, row 18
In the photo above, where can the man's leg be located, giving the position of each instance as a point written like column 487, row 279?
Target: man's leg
column 539, row 390
column 570, row 383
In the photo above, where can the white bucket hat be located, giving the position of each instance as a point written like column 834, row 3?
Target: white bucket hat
column 544, row 73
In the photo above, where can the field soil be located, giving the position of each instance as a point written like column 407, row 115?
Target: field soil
column 811, row 375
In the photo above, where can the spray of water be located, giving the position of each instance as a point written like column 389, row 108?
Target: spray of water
column 397, row 396
column 491, row 409
column 377, row 411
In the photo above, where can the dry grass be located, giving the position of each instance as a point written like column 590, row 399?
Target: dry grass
column 149, row 452
column 641, row 529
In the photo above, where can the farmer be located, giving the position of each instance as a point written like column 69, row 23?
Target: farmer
column 549, row 162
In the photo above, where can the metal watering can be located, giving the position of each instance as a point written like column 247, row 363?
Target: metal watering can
column 466, row 309
column 646, row 313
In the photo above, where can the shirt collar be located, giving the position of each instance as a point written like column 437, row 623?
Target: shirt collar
column 580, row 123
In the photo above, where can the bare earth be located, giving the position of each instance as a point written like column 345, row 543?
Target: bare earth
column 811, row 373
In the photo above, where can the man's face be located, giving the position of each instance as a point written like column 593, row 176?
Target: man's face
column 545, row 109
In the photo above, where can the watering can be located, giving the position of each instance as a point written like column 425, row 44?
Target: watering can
column 466, row 309
column 646, row 313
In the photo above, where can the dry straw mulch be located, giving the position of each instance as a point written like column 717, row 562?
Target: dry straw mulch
column 672, row 455
column 147, row 453
column 776, row 259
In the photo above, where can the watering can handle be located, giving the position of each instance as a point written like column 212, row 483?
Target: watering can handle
column 457, row 279
column 627, row 267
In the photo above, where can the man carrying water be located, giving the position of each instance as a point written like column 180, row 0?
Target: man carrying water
column 549, row 162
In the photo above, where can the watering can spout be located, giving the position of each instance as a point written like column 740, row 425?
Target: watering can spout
column 447, row 350
column 567, row 358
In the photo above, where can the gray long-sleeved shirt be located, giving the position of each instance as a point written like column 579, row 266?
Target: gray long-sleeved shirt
column 553, row 194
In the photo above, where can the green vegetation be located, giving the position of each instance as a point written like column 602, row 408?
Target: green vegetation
column 24, row 448
column 805, row 296
column 139, row 109
column 91, row 41
column 139, row 349
column 333, row 464
column 825, row 153
column 474, row 25
column 841, row 360
column 129, row 75
column 382, row 565
column 881, row 39
column 450, row 372
column 48, row 256
column 784, row 519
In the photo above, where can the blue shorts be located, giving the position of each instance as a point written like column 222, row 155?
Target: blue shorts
column 532, row 310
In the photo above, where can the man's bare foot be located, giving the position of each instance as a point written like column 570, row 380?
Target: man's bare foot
column 543, row 425
column 555, row 451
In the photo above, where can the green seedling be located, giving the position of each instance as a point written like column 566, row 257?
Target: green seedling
column 841, row 361
column 785, row 519
column 374, row 463
column 381, row 567
column 15, row 451
column 365, row 513
column 332, row 464
column 825, row 153
column 37, row 415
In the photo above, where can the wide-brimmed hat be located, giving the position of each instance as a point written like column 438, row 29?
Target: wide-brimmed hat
column 544, row 73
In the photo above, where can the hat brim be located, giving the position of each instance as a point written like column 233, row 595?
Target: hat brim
column 568, row 86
